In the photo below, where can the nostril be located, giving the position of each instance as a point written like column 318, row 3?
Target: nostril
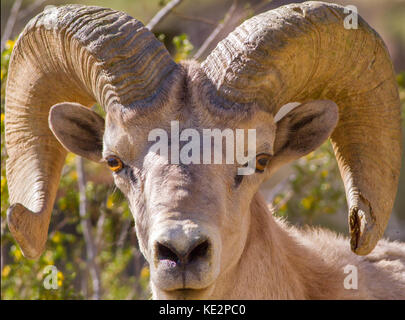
column 165, row 253
column 169, row 257
column 200, row 251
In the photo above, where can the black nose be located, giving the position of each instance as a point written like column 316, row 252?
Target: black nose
column 196, row 250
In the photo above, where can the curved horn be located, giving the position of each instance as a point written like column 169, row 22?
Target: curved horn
column 77, row 54
column 303, row 52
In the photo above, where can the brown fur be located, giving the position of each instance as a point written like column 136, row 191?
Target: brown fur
column 295, row 264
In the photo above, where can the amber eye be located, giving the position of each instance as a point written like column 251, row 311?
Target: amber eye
column 114, row 163
column 261, row 161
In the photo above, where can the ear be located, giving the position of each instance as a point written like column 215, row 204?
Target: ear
column 304, row 129
column 79, row 129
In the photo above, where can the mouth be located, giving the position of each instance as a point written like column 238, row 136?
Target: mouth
column 186, row 294
column 181, row 282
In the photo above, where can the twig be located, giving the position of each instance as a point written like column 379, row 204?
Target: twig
column 124, row 233
column 84, row 282
column 227, row 19
column 99, row 229
column 59, row 226
column 286, row 198
column 216, row 31
column 3, row 246
column 3, row 256
column 139, row 262
column 10, row 23
column 30, row 9
column 2, row 224
column 86, row 226
column 162, row 14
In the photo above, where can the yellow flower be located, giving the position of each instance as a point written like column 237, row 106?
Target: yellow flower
column 310, row 156
column 73, row 175
column 145, row 273
column 17, row 255
column 307, row 202
column 5, row 272
column 277, row 199
column 57, row 237
column 63, row 205
column 70, row 158
column 2, row 117
column 9, row 44
column 61, row 277
column 48, row 259
column 110, row 202
column 3, row 182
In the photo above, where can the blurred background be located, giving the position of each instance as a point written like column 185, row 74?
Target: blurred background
column 95, row 249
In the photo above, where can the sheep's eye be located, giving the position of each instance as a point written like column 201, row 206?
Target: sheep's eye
column 114, row 163
column 261, row 161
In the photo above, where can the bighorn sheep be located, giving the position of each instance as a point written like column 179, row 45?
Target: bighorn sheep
column 204, row 230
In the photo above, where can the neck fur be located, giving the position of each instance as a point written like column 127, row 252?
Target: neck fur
column 274, row 265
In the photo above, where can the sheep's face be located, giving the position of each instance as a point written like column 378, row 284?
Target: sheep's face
column 191, row 210
column 191, row 219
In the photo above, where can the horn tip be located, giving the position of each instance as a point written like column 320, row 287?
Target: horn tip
column 25, row 227
column 364, row 233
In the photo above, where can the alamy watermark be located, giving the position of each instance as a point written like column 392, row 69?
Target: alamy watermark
column 351, row 21
column 351, row 281
column 51, row 279
column 211, row 144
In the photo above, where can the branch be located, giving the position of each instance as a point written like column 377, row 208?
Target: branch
column 59, row 226
column 216, row 31
column 32, row 8
column 124, row 233
column 227, row 19
column 139, row 262
column 2, row 245
column 86, row 226
column 10, row 23
column 99, row 229
column 162, row 14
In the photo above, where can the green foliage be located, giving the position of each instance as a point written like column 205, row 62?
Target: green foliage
column 314, row 188
column 162, row 3
column 161, row 37
column 183, row 47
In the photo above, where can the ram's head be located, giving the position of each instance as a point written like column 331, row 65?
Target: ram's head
column 192, row 219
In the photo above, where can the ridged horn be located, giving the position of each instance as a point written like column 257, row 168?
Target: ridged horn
column 303, row 52
column 76, row 54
